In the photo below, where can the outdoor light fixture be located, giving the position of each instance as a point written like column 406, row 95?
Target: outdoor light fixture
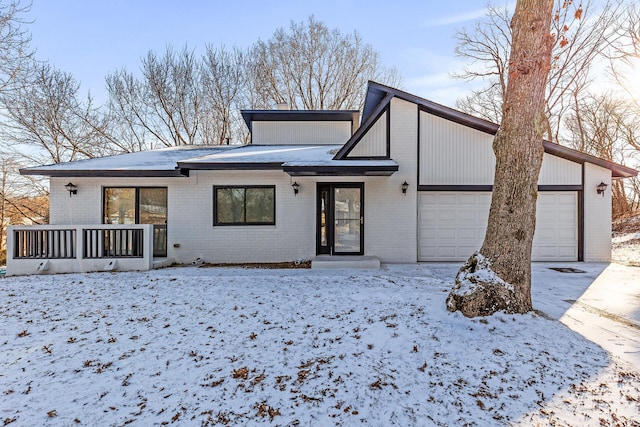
column 296, row 188
column 71, row 188
column 404, row 187
column 601, row 187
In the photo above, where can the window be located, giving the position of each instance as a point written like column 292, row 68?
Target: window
column 243, row 205
column 135, row 205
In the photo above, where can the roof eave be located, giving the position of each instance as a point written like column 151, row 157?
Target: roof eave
column 325, row 170
column 447, row 113
column 85, row 173
column 230, row 166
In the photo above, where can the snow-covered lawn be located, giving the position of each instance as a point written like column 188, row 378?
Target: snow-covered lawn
column 221, row 346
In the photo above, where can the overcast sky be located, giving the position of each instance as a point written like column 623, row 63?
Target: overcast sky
column 90, row 38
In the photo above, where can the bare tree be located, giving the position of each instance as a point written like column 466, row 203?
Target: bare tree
column 625, row 55
column 223, row 83
column 165, row 106
column 486, row 49
column 46, row 121
column 609, row 128
column 181, row 98
column 22, row 200
column 15, row 52
column 315, row 68
column 498, row 277
column 581, row 35
column 127, row 109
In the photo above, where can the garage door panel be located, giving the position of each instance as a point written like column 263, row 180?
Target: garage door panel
column 446, row 251
column 469, row 234
column 566, row 253
column 467, row 215
column 457, row 222
column 446, row 199
column 447, row 234
column 467, row 199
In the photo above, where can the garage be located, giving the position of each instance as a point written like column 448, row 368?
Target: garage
column 451, row 225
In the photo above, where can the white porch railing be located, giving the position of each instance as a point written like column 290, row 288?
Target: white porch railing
column 38, row 249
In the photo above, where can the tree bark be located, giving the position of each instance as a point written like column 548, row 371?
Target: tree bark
column 506, row 251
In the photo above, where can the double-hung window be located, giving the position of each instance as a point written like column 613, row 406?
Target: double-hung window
column 244, row 205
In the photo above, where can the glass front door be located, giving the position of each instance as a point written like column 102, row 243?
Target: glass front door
column 340, row 219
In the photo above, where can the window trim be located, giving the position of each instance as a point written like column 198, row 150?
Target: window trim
column 245, row 223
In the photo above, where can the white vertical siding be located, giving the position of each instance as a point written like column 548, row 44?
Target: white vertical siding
column 300, row 132
column 558, row 171
column 597, row 214
column 453, row 154
column 374, row 142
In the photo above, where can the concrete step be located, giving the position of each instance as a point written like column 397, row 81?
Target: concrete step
column 162, row 262
column 347, row 261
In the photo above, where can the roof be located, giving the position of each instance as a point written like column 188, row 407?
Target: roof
column 178, row 161
column 379, row 95
column 152, row 163
column 325, row 160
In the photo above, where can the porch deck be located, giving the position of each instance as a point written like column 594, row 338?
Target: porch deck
column 51, row 249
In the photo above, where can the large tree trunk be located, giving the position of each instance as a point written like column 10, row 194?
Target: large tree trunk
column 499, row 276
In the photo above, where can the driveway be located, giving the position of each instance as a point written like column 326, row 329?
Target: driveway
column 600, row 301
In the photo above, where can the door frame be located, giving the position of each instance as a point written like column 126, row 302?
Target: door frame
column 329, row 249
column 159, row 230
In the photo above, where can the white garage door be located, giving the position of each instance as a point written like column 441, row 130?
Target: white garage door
column 451, row 226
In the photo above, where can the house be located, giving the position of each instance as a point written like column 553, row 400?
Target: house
column 411, row 181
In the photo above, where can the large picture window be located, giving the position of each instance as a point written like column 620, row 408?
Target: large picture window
column 244, row 205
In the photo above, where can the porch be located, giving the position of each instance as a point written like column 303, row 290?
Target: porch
column 43, row 249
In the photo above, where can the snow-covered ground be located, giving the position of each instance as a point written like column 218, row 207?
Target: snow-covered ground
column 626, row 241
column 223, row 346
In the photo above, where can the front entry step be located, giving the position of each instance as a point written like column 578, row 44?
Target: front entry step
column 162, row 262
column 326, row 262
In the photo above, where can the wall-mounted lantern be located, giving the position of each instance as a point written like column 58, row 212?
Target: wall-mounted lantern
column 296, row 188
column 404, row 187
column 71, row 188
column 601, row 187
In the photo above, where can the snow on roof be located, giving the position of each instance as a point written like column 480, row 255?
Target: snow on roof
column 176, row 161
column 160, row 159
column 268, row 154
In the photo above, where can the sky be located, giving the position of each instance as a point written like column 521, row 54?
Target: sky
column 91, row 39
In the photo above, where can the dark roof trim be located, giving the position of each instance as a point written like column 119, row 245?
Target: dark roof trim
column 341, row 170
column 447, row 113
column 57, row 173
column 230, row 166
column 456, row 187
column 365, row 126
column 352, row 116
column 617, row 170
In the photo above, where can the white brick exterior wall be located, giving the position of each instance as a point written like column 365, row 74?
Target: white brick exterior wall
column 391, row 217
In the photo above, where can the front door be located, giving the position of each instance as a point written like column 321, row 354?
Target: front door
column 340, row 219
